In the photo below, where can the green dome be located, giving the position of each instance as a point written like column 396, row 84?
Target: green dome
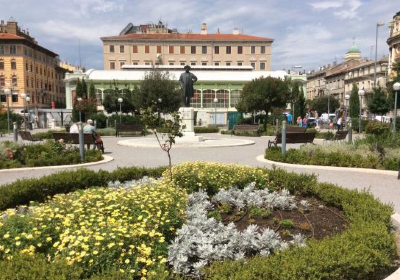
column 354, row 49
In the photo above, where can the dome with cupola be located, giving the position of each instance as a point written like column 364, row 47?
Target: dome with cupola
column 353, row 53
column 354, row 49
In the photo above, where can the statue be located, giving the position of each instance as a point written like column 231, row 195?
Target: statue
column 187, row 80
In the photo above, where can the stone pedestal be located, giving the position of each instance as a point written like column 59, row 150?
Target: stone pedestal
column 187, row 115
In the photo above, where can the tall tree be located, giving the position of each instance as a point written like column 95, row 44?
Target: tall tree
column 354, row 106
column 293, row 97
column 320, row 104
column 379, row 103
column 301, row 103
column 263, row 94
column 78, row 89
column 92, row 93
column 84, row 89
column 111, row 103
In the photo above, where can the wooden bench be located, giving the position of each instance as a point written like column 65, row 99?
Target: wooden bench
column 298, row 129
column 27, row 136
column 246, row 128
column 73, row 138
column 293, row 138
column 135, row 128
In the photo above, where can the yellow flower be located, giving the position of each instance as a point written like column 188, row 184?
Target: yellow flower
column 127, row 261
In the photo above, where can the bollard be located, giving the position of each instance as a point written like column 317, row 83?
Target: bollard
column 15, row 129
column 350, row 133
column 276, row 126
column 283, row 148
column 81, row 143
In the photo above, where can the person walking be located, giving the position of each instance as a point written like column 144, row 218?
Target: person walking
column 339, row 123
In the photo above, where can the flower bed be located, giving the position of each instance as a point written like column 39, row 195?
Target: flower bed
column 49, row 153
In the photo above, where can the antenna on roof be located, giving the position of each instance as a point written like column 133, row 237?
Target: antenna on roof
column 80, row 61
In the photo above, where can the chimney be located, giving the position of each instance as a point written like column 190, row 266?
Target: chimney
column 236, row 31
column 204, row 29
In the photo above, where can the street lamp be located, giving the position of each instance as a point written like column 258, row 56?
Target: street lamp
column 347, row 105
column 81, row 147
column 23, row 96
column 120, row 109
column 215, row 111
column 159, row 100
column 379, row 24
column 396, row 88
column 361, row 93
column 7, row 93
column 27, row 109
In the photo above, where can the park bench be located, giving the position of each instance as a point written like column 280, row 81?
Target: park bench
column 134, row 128
column 27, row 136
column 246, row 128
column 73, row 138
column 298, row 129
column 339, row 135
column 293, row 138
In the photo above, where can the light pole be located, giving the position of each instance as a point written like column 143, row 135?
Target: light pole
column 347, row 105
column 215, row 111
column 81, row 147
column 361, row 93
column 396, row 88
column 23, row 96
column 379, row 24
column 120, row 109
column 27, row 109
column 7, row 93
column 159, row 100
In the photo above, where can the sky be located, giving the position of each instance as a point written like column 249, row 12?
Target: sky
column 307, row 33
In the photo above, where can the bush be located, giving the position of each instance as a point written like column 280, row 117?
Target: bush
column 206, row 129
column 377, row 128
column 46, row 135
column 355, row 121
column 109, row 131
column 22, row 192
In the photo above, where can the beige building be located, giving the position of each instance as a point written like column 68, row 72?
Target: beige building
column 26, row 67
column 394, row 41
column 155, row 44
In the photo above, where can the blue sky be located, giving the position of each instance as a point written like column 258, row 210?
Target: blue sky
column 309, row 33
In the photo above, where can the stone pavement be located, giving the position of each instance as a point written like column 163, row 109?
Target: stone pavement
column 384, row 187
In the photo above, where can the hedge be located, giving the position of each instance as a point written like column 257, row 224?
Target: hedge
column 206, row 129
column 23, row 191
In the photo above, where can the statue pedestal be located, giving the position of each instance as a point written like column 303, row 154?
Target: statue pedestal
column 187, row 115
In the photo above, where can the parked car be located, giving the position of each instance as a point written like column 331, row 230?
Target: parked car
column 311, row 122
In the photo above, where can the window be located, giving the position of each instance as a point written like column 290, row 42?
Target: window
column 228, row 50
column 158, row 49
column 253, row 64
column 171, row 63
column 192, row 63
column 134, row 49
column 13, row 64
column 253, row 49
column 240, row 49
column 13, row 49
column 31, row 67
column 112, row 65
column 216, row 63
column 147, row 49
column 2, row 81
column 216, row 49
column 193, row 49
column 1, row 64
column 262, row 49
column 14, row 98
column 182, row 49
column 228, row 64
column 147, row 63
column 122, row 49
column 26, row 66
column 204, row 49
column 27, row 82
column 240, row 63
column 262, row 65
column 183, row 63
column 14, row 81
column 3, row 98
column 171, row 49
column 135, row 63
column 1, row 49
column 204, row 63
column 121, row 63
column 111, row 48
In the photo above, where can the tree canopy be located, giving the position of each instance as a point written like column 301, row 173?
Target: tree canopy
column 320, row 104
column 111, row 103
column 379, row 104
column 354, row 106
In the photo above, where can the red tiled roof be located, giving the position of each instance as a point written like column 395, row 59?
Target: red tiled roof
column 190, row 36
column 10, row 36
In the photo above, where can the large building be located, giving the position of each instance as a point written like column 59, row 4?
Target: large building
column 155, row 44
column 27, row 67
column 394, row 41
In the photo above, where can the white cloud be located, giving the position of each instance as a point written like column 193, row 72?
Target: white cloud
column 326, row 5
column 344, row 9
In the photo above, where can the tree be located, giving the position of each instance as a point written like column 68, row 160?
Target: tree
column 158, row 85
column 78, row 89
column 111, row 103
column 379, row 104
column 301, row 103
column 92, row 93
column 263, row 94
column 294, row 95
column 354, row 106
column 320, row 104
column 389, row 85
column 84, row 89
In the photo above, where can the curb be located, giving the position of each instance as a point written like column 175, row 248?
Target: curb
column 104, row 160
column 395, row 275
column 335, row 168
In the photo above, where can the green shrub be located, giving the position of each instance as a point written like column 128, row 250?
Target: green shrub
column 206, row 129
column 109, row 131
column 46, row 135
column 377, row 128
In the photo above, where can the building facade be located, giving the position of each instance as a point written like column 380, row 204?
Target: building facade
column 27, row 67
column 394, row 41
column 158, row 45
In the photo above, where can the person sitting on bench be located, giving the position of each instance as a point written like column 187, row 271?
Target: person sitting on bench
column 90, row 129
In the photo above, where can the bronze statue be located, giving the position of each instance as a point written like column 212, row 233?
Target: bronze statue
column 187, row 80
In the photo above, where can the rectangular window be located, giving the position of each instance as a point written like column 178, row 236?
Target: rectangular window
column 192, row 63
column 193, row 49
column 13, row 49
column 122, row 49
column 204, row 63
column 171, row 63
column 182, row 49
column 3, row 98
column 253, row 64
column 228, row 50
column 171, row 49
column 240, row 63
column 13, row 65
column 147, row 49
column 111, row 48
column 1, row 64
column 216, row 49
column 183, row 63
column 228, row 64
column 204, row 49
column 134, row 49
column 262, row 49
column 112, row 65
column 121, row 63
column 158, row 49
column 15, row 98
column 147, row 63
column 135, row 63
column 262, row 66
column 240, row 49
column 216, row 63
column 1, row 49
column 253, row 49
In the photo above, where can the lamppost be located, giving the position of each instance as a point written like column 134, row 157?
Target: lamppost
column 23, row 96
column 361, row 93
column 347, row 105
column 81, row 147
column 120, row 109
column 7, row 93
column 396, row 88
column 215, row 111
column 379, row 24
column 159, row 100
column 29, row 114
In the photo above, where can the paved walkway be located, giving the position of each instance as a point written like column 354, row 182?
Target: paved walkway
column 385, row 187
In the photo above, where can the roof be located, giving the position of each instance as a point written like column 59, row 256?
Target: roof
column 189, row 36
column 34, row 44
column 354, row 49
column 228, row 75
column 10, row 36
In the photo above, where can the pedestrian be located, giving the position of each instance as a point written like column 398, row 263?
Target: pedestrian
column 330, row 124
column 305, row 122
column 289, row 118
column 74, row 128
column 339, row 123
column 299, row 121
